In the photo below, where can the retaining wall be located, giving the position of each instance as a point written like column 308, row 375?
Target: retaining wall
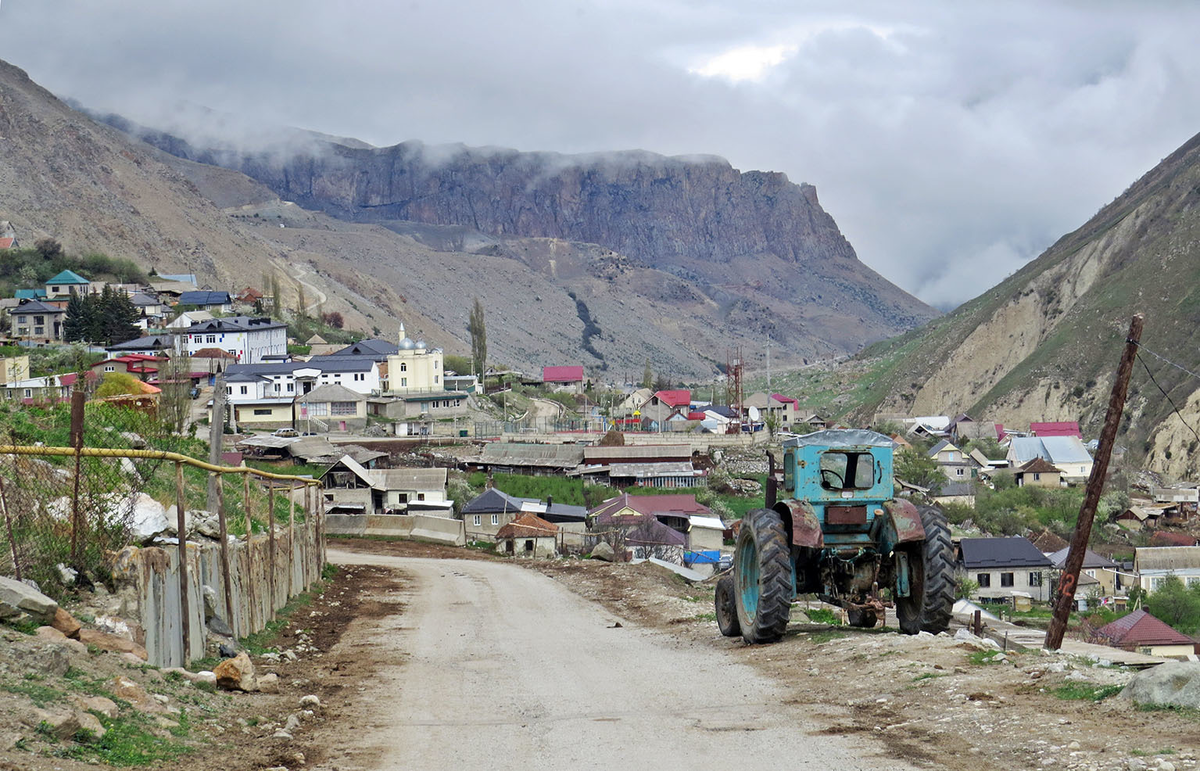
column 153, row 575
column 418, row 526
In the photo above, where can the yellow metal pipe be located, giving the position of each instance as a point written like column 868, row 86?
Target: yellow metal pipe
column 106, row 452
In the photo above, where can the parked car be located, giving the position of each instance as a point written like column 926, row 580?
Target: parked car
column 289, row 432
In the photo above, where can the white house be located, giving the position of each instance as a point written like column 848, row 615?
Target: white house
column 1067, row 453
column 250, row 339
column 1154, row 563
column 288, row 379
column 188, row 319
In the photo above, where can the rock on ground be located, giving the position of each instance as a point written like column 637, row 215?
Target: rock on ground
column 17, row 598
column 236, row 674
column 603, row 551
column 1174, row 684
column 66, row 623
column 112, row 642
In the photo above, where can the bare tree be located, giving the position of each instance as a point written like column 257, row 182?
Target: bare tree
column 175, row 402
column 478, row 330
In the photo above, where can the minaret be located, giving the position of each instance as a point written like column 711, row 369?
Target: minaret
column 401, row 338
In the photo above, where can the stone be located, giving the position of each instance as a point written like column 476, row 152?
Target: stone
column 67, row 575
column 126, row 689
column 236, row 674
column 603, row 551
column 269, row 683
column 111, row 642
column 1166, row 765
column 66, row 623
column 210, row 601
column 282, row 734
column 50, row 634
column 62, row 725
column 310, row 702
column 145, row 516
column 203, row 676
column 48, row 659
column 90, row 723
column 1173, row 684
column 106, row 707
column 292, row 724
column 18, row 597
column 217, row 626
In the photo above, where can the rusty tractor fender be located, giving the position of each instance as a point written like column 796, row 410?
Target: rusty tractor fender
column 802, row 523
column 901, row 523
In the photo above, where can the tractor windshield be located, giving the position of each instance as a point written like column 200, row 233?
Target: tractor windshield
column 847, row 470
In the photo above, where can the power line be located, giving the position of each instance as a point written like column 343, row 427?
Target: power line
column 1164, row 359
column 1167, row 395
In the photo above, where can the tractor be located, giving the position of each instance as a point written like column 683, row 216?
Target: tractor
column 832, row 527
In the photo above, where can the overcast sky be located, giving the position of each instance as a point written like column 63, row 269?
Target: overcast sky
column 951, row 141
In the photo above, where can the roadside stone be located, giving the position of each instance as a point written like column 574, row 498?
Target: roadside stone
column 293, row 723
column 146, row 517
column 66, row 623
column 310, row 702
column 89, row 722
column 1174, row 684
column 603, row 551
column 17, row 597
column 236, row 674
column 269, row 683
column 111, row 642
column 106, row 707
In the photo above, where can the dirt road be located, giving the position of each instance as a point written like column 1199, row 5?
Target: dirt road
column 505, row 668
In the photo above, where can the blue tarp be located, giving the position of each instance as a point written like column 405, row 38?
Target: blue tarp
column 701, row 557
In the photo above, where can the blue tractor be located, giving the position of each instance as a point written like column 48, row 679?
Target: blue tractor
column 832, row 527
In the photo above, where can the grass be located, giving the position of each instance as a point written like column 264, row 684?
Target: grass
column 129, row 741
column 983, row 658
column 23, row 625
column 828, row 635
column 927, row 676
column 1086, row 691
column 40, row 694
column 705, row 616
column 823, row 616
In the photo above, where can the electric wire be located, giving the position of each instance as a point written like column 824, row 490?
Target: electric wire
column 1164, row 359
column 1164, row 392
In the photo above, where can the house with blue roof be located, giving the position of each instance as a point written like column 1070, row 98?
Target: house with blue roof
column 208, row 301
column 66, row 284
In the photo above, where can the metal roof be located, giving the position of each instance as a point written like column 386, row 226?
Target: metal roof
column 369, row 347
column 330, row 364
column 567, row 374
column 1167, row 558
column 492, row 501
column 203, row 297
column 549, row 455
column 36, row 306
column 1056, row 449
column 647, row 470
column 234, row 324
column 527, row 526
column 330, row 392
column 1090, row 559
column 1016, row 552
column 68, row 277
column 638, row 452
column 1141, row 628
column 840, row 437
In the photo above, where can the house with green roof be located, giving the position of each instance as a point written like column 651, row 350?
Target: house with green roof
column 66, row 284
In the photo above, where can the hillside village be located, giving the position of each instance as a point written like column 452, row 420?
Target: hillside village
column 407, row 446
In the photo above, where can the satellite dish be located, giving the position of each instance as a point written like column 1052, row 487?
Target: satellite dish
column 753, row 413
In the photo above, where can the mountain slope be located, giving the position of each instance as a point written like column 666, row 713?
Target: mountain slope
column 1045, row 342
column 756, row 246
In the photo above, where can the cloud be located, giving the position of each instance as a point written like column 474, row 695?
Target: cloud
column 952, row 142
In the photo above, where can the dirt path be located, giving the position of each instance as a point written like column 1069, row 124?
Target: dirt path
column 506, row 668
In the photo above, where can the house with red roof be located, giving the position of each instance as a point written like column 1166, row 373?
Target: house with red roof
column 140, row 365
column 528, row 536
column 1143, row 633
column 674, row 511
column 1060, row 428
column 784, row 408
column 566, row 378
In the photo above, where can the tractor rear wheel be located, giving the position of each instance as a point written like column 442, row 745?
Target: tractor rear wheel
column 726, row 606
column 762, row 569
column 930, row 601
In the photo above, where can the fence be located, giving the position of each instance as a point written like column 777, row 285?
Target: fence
column 72, row 507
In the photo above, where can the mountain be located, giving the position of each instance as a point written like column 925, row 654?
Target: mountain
column 603, row 260
column 752, row 253
column 1044, row 344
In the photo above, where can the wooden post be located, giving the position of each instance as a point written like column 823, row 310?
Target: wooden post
column 78, row 399
column 216, row 439
column 12, row 540
column 1083, row 528
column 181, row 531
column 271, row 542
column 308, row 530
column 226, row 577
column 291, row 539
column 248, row 579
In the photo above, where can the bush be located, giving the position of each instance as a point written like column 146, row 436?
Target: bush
column 719, row 481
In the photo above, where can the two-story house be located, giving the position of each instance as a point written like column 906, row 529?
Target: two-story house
column 1002, row 566
column 37, row 321
column 954, row 463
column 250, row 339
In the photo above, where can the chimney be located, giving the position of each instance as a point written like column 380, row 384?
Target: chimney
column 549, row 502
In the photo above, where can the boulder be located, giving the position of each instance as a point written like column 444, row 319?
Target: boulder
column 62, row 725
column 17, row 597
column 48, row 659
column 269, row 683
column 146, row 517
column 603, row 551
column 50, row 634
column 217, row 626
column 90, row 723
column 112, row 642
column 106, row 707
column 203, row 676
column 1174, row 684
column 236, row 674
column 136, row 695
column 66, row 623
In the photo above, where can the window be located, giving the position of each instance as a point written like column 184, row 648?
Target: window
column 343, row 408
column 266, row 411
column 847, row 470
column 959, row 471
column 984, row 579
column 210, row 338
column 403, row 367
column 318, row 408
column 110, row 368
column 229, row 389
column 1155, row 583
column 435, row 378
column 420, row 496
column 29, row 394
column 1006, row 579
column 39, row 319
column 477, row 520
column 291, row 387
column 22, row 319
column 244, row 390
column 495, row 519
column 1035, row 578
column 403, row 381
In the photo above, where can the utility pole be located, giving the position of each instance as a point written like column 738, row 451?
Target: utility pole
column 216, row 438
column 1083, row 528
column 768, row 364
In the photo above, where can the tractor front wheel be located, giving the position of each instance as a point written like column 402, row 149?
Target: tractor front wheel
column 930, row 601
column 762, row 569
column 726, row 607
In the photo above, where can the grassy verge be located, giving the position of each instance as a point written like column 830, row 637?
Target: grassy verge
column 1086, row 691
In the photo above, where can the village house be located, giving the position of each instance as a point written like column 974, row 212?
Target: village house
column 1153, row 564
column 650, row 538
column 65, row 284
column 37, row 321
column 533, row 459
column 1185, row 499
column 484, row 515
column 150, row 345
column 956, row 465
column 782, row 408
column 659, row 407
column 213, row 302
column 139, row 365
column 667, row 466
column 14, row 368
column 350, row 488
column 632, row 403
column 1143, row 633
column 568, row 379
column 675, row 511
column 1038, row 473
column 528, row 536
column 8, row 236
column 1105, row 571
column 1067, row 453
column 252, row 340
column 331, row 407
column 50, row 388
column 1003, row 566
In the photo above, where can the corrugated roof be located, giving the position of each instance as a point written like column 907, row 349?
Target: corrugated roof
column 1167, row 558
column 646, row 470
column 68, row 277
column 1141, row 628
column 1016, row 552
column 651, row 532
column 1039, row 466
column 649, row 506
column 323, row 364
column 1057, row 428
column 1056, row 449
column 1090, row 559
column 203, row 297
column 566, row 374
column 1048, row 542
column 369, row 347
column 677, row 398
column 493, row 501
column 637, row 452
column 547, row 455
column 527, row 526
column 36, row 306
column 234, row 324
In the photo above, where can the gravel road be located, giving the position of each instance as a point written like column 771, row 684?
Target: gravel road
column 505, row 668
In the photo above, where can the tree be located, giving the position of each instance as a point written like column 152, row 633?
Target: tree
column 76, row 322
column 301, row 301
column 276, row 297
column 478, row 330
column 772, row 421
column 919, row 469
column 118, row 384
column 648, row 376
column 119, row 317
column 49, row 248
column 334, row 319
column 1176, row 604
column 175, row 402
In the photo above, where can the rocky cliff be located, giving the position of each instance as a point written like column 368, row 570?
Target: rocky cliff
column 1044, row 344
